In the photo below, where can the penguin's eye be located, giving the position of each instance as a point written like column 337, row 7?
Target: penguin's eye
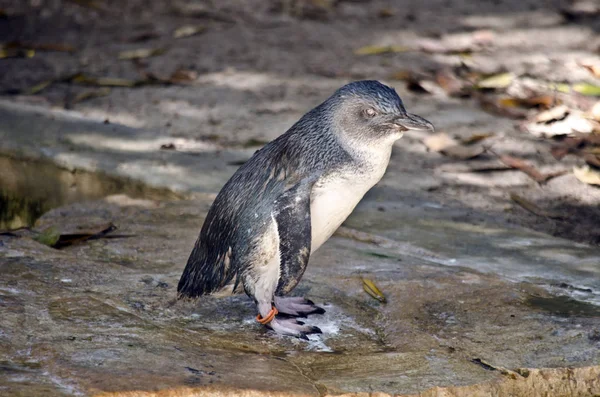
column 370, row 112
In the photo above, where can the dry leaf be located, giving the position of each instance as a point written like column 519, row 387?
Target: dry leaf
column 84, row 234
column 476, row 138
column 371, row 289
column 594, row 69
column 103, row 81
column 444, row 144
column 438, row 142
column 60, row 47
column 554, row 114
column 494, row 106
column 496, row 81
column 16, row 53
column 592, row 159
column 534, row 209
column 36, row 89
column 141, row 53
column 574, row 121
column 182, row 76
column 587, row 174
column 188, row 30
column 451, row 83
column 89, row 94
column 544, row 101
column 376, row 50
column 463, row 152
column 595, row 111
column 528, row 169
column 386, row 13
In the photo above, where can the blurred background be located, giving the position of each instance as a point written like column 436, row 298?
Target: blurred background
column 511, row 85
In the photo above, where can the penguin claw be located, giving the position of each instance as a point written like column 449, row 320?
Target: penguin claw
column 292, row 327
column 297, row 306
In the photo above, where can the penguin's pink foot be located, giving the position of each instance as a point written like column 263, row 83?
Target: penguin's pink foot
column 296, row 306
column 293, row 327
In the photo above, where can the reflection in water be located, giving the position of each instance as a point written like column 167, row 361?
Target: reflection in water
column 29, row 188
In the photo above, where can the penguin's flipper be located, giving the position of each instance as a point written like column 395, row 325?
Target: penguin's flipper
column 292, row 215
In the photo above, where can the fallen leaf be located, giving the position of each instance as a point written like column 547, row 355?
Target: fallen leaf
column 141, row 53
column 593, row 69
column 376, row 50
column 476, row 138
column 543, row 101
column 143, row 36
column 386, row 13
column 438, row 142
column 60, row 47
column 554, row 114
column 89, row 94
column 188, row 30
column 36, row 89
column 561, row 123
column 183, row 76
column 592, row 159
column 83, row 234
column 16, row 53
column 451, row 83
column 595, row 111
column 496, row 81
column 93, row 4
column 49, row 236
column 534, row 209
column 448, row 146
column 104, row 81
column 587, row 174
column 401, row 75
column 492, row 105
column 528, row 169
column 587, row 89
column 371, row 289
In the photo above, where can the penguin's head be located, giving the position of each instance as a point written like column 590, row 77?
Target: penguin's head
column 370, row 110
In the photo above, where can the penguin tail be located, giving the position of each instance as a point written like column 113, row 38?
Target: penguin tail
column 204, row 275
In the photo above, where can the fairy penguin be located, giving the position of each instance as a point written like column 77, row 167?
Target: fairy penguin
column 290, row 197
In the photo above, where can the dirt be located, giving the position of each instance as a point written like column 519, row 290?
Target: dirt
column 261, row 64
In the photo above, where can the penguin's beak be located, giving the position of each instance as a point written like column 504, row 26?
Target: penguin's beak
column 414, row 122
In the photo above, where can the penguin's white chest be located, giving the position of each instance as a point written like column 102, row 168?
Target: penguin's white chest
column 334, row 198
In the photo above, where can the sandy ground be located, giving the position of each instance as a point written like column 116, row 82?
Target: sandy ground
column 261, row 64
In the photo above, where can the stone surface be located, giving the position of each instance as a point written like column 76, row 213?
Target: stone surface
column 102, row 316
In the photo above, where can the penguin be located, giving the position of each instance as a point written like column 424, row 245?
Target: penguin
column 286, row 201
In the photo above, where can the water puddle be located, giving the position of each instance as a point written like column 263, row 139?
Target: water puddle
column 30, row 188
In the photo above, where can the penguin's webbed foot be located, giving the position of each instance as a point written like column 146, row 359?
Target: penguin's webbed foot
column 297, row 306
column 293, row 327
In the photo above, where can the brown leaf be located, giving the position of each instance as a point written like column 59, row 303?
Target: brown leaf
column 538, row 101
column 183, row 76
column 528, row 169
column 451, row 83
column 593, row 68
column 376, row 49
column 386, row 13
column 463, row 152
column 588, row 175
column 141, row 53
column 533, row 208
column 89, row 94
column 592, row 159
column 60, row 47
column 448, row 146
column 476, row 138
column 492, row 105
column 84, row 234
column 568, row 146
